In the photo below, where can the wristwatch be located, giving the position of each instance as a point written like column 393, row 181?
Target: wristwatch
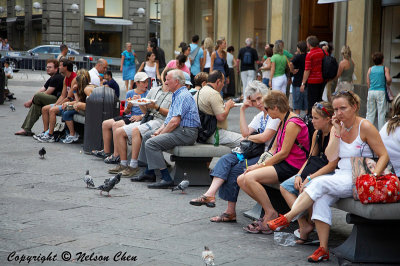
column 303, row 84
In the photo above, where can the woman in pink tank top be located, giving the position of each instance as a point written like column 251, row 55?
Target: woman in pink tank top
column 290, row 151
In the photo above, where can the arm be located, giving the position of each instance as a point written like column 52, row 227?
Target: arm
column 234, row 63
column 63, row 94
column 305, row 78
column 244, row 128
column 163, row 74
column 158, row 71
column 388, row 77
column 368, row 81
column 212, row 61
column 141, row 67
column 340, row 69
column 228, row 106
column 263, row 137
column 370, row 134
column 81, row 106
column 122, row 63
column 272, row 73
column 332, row 150
column 173, row 123
column 268, row 65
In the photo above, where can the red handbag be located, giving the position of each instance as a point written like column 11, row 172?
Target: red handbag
column 382, row 189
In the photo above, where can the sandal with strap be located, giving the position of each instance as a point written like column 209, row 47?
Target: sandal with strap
column 224, row 218
column 203, row 200
column 258, row 228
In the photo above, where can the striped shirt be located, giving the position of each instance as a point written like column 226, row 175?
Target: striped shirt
column 183, row 105
column 314, row 63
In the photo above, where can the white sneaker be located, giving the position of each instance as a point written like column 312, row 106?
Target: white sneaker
column 39, row 136
column 71, row 139
column 47, row 138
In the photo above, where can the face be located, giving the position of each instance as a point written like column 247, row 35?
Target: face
column 149, row 49
column 63, row 69
column 152, row 57
column 6, row 64
column 179, row 65
column 142, row 85
column 187, row 52
column 171, row 83
column 223, row 45
column 50, row 69
column 220, row 83
column 257, row 101
column 319, row 121
column 128, row 47
column 102, row 68
column 107, row 77
column 273, row 112
column 343, row 110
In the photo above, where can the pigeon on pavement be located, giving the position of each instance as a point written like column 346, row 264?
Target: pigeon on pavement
column 184, row 184
column 88, row 180
column 208, row 256
column 12, row 107
column 116, row 177
column 107, row 186
column 42, row 152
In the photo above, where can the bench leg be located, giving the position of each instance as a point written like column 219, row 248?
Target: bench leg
column 196, row 169
column 371, row 241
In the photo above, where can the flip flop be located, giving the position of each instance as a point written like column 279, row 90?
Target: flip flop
column 258, row 228
column 307, row 241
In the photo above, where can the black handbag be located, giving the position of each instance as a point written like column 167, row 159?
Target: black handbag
column 314, row 163
column 208, row 124
column 251, row 149
column 147, row 117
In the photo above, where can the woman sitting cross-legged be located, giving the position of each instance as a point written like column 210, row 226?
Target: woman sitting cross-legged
column 229, row 167
column 322, row 120
column 351, row 136
column 290, row 151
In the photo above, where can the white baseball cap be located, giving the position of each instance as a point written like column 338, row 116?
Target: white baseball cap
column 187, row 78
column 140, row 76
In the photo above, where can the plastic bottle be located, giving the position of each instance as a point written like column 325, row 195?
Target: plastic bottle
column 284, row 239
column 216, row 138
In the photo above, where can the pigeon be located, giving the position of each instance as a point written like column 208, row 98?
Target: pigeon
column 42, row 152
column 116, row 177
column 182, row 186
column 208, row 256
column 88, row 179
column 107, row 186
column 12, row 107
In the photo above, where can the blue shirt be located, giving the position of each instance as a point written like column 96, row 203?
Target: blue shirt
column 377, row 79
column 135, row 109
column 195, row 67
column 113, row 85
column 129, row 58
column 183, row 105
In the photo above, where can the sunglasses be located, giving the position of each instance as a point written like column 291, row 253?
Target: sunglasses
column 321, row 107
column 345, row 92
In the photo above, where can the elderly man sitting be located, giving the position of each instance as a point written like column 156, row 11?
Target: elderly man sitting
column 179, row 128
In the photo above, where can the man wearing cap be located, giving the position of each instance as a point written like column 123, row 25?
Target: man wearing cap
column 131, row 114
column 209, row 101
column 179, row 128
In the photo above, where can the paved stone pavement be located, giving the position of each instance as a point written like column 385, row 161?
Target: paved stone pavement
column 46, row 209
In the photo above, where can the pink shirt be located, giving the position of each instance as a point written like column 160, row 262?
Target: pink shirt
column 296, row 157
column 172, row 64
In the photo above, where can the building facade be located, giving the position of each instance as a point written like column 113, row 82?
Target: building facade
column 98, row 27
column 365, row 25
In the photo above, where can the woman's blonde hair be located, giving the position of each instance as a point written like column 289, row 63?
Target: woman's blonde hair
column 394, row 122
column 324, row 109
column 346, row 52
column 278, row 47
column 209, row 45
column 277, row 99
column 219, row 42
column 82, row 79
column 352, row 98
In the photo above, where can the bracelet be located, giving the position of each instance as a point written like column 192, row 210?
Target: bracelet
column 337, row 136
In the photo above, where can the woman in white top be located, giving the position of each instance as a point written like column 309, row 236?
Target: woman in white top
column 150, row 66
column 351, row 135
column 207, row 52
column 390, row 134
column 266, row 67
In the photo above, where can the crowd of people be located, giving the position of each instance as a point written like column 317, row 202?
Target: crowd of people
column 193, row 86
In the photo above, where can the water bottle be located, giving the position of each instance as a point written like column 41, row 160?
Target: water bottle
column 284, row 239
column 216, row 138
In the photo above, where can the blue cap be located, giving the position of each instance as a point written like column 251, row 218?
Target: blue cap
column 187, row 78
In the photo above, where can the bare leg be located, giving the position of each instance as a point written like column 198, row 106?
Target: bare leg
column 126, row 85
column 114, row 127
column 120, row 146
column 131, row 86
column 215, row 185
column 107, row 135
column 70, row 125
column 254, row 181
column 304, row 202
column 136, row 142
column 45, row 117
column 289, row 197
column 231, row 209
column 323, row 233
column 53, row 119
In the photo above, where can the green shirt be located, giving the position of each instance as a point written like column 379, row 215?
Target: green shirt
column 280, row 64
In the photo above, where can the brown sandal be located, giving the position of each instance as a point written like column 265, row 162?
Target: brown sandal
column 224, row 218
column 203, row 200
column 258, row 228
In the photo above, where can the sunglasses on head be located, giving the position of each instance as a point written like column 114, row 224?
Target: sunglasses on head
column 345, row 92
column 321, row 107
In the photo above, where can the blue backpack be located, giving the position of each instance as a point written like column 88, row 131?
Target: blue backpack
column 248, row 58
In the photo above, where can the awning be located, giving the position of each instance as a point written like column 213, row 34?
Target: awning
column 10, row 20
column 330, row 1
column 110, row 21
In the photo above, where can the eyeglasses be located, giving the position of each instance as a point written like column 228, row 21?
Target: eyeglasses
column 321, row 107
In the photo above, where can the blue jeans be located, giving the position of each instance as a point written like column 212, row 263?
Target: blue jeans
column 68, row 115
column 229, row 168
column 265, row 81
column 299, row 99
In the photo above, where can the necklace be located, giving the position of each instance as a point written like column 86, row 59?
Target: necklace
column 348, row 129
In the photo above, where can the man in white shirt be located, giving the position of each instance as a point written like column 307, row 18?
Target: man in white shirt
column 100, row 67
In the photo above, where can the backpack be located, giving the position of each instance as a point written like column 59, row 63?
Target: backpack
column 247, row 58
column 208, row 124
column 329, row 67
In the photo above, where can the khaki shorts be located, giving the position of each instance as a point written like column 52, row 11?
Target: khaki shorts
column 143, row 128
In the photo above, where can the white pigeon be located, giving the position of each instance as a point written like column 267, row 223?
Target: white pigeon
column 88, row 180
column 208, row 256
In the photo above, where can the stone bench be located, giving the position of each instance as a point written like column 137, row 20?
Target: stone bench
column 375, row 234
column 194, row 161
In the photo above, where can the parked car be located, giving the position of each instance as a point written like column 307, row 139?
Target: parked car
column 30, row 59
